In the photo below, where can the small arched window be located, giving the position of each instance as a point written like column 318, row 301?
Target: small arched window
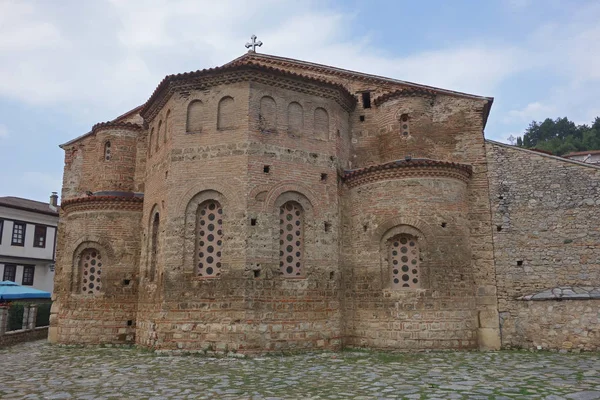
column 90, row 265
column 166, row 134
column 107, row 150
column 209, row 239
column 403, row 256
column 404, row 125
column 194, row 117
column 226, row 113
column 291, row 236
column 154, row 246
column 158, row 134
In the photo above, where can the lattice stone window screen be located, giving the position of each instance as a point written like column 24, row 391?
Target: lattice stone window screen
column 91, row 271
column 209, row 239
column 291, row 226
column 404, row 262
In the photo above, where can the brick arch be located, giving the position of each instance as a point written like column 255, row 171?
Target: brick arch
column 230, row 194
column 85, row 242
column 403, row 225
column 283, row 187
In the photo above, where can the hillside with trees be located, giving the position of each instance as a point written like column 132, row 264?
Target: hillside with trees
column 561, row 136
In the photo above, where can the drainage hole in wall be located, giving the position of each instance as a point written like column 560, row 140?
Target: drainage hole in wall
column 499, row 228
column 253, row 221
column 362, row 118
column 327, row 226
column 443, row 224
column 126, row 282
column 331, row 274
column 257, row 273
column 130, row 322
column 266, row 169
column 323, row 177
column 520, row 262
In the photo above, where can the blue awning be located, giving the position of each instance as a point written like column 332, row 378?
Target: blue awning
column 12, row 291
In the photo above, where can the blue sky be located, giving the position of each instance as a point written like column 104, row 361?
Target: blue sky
column 65, row 65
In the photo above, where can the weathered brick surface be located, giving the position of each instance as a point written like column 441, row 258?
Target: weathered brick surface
column 546, row 216
column 259, row 137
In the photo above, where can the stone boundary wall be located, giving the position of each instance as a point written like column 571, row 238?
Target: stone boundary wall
column 23, row 335
column 546, row 229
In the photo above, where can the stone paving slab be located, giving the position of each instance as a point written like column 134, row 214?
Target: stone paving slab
column 37, row 370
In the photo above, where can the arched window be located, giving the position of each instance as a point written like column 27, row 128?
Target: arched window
column 295, row 118
column 226, row 113
column 90, row 265
column 209, row 239
column 154, row 246
column 291, row 227
column 268, row 114
column 150, row 141
column 158, row 134
column 194, row 117
column 404, row 125
column 165, row 136
column 107, row 150
column 403, row 256
column 321, row 123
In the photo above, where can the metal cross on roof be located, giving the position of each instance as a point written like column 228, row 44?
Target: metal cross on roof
column 512, row 139
column 254, row 43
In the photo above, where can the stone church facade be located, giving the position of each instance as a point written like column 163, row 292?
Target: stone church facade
column 273, row 204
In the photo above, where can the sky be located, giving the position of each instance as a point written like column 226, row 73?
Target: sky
column 68, row 64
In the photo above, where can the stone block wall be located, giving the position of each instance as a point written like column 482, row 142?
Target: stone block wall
column 546, row 219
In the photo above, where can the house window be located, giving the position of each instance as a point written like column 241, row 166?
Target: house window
column 91, row 270
column 39, row 237
column 403, row 259
column 291, row 226
column 18, row 234
column 28, row 272
column 209, row 239
column 10, row 272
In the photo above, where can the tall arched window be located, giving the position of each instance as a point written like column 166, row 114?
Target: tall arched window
column 403, row 256
column 194, row 117
column 158, row 134
column 209, row 239
column 165, row 136
column 90, row 265
column 291, row 227
column 107, row 150
column 150, row 141
column 295, row 118
column 154, row 246
column 226, row 113
column 321, row 123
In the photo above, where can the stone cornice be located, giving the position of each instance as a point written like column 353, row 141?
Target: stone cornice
column 249, row 72
column 407, row 169
column 94, row 203
column 116, row 125
column 414, row 92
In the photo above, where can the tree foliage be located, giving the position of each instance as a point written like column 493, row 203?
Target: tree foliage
column 561, row 136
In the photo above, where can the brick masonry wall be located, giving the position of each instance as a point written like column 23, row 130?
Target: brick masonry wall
column 546, row 217
column 110, row 316
column 251, row 307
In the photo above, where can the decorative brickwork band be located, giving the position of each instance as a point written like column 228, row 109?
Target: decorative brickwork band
column 103, row 203
column 116, row 125
column 407, row 169
column 404, row 93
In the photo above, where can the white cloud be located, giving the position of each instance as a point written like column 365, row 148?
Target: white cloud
column 532, row 111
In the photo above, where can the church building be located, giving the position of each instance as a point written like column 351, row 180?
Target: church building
column 273, row 204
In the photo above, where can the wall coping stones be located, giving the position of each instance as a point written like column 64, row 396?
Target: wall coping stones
column 565, row 293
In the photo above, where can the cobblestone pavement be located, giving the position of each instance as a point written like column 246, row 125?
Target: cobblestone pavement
column 37, row 370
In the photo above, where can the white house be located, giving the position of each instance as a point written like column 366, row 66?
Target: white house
column 28, row 241
column 588, row 156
